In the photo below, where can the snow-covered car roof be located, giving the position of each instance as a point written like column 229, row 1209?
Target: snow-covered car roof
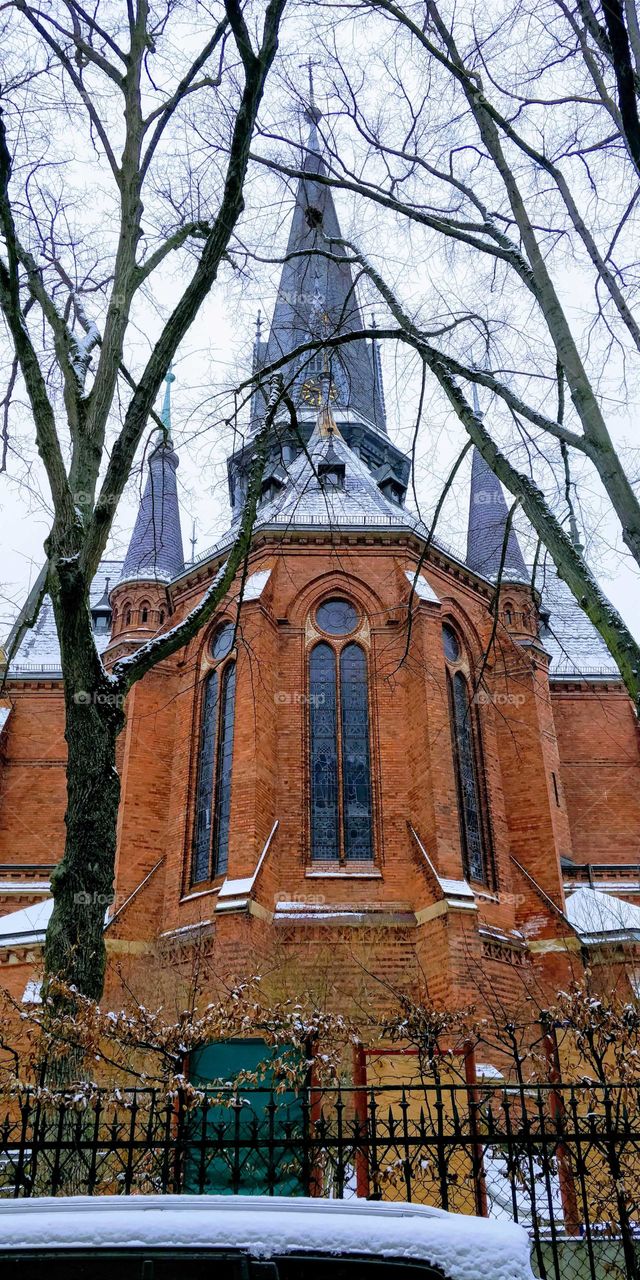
column 460, row 1246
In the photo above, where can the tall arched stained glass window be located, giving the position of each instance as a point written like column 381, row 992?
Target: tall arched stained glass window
column 356, row 767
column 341, row 809
column 224, row 764
column 467, row 778
column 204, row 786
column 325, row 844
column 215, row 763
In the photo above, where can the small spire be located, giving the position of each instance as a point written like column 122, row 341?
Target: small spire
column 193, row 538
column 164, row 437
column 258, row 327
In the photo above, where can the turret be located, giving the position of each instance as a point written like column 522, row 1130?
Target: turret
column 155, row 556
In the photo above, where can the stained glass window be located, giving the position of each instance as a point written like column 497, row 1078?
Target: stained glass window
column 356, row 770
column 324, row 754
column 224, row 762
column 470, row 813
column 336, row 617
column 450, row 643
column 341, row 810
column 223, row 640
column 204, row 786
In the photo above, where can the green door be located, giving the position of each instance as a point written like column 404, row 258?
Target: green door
column 255, row 1148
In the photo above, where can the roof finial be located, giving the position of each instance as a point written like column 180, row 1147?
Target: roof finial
column 193, row 539
column 312, row 113
column 259, row 326
column 166, row 407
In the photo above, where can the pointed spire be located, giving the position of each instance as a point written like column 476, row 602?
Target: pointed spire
column 488, row 514
column 155, row 550
column 316, row 298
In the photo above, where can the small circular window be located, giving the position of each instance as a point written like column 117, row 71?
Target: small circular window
column 223, row 641
column 450, row 643
column 336, row 617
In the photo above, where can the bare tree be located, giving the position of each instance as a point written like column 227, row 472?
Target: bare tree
column 123, row 85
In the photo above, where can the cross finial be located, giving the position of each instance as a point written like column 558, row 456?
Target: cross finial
column 312, row 111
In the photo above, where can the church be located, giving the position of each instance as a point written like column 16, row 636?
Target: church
column 382, row 766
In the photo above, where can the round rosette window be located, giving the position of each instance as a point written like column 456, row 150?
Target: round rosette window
column 337, row 617
column 222, row 641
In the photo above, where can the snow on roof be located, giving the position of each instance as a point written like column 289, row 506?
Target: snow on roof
column 464, row 1247
column 601, row 917
column 39, row 651
column 422, row 588
column 5, row 712
column 571, row 640
column 27, row 926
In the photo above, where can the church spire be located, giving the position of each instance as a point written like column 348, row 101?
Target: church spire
column 488, row 514
column 155, row 550
column 316, row 299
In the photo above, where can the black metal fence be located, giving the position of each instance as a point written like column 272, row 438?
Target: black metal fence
column 563, row 1160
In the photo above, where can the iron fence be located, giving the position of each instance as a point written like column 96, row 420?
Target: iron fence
column 563, row 1160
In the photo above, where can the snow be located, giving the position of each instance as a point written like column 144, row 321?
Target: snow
column 26, row 927
column 5, row 712
column 422, row 588
column 255, row 585
column 234, row 893
column 32, row 993
column 464, row 1247
column 593, row 914
column 35, row 887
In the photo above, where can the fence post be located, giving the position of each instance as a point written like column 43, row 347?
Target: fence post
column 360, row 1111
column 314, row 1186
column 479, row 1181
column 568, row 1194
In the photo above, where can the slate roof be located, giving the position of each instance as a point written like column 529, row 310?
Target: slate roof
column 39, row 652
column 306, row 501
column 316, row 298
column 601, row 917
column 155, row 551
column 571, row 640
column 488, row 513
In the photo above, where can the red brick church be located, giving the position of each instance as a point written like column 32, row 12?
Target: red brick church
column 366, row 771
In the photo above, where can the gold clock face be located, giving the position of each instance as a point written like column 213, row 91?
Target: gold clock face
column 313, row 392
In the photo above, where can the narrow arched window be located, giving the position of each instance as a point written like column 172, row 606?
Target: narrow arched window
column 356, row 765
column 204, row 785
column 471, row 826
column 224, row 763
column 325, row 844
column 215, row 764
column 341, row 808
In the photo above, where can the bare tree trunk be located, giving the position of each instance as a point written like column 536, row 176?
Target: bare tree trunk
column 82, row 883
